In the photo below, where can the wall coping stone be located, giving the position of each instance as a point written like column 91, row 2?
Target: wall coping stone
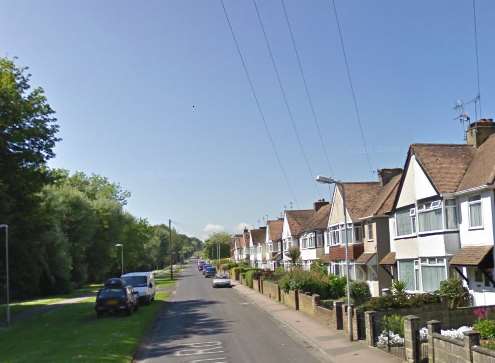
column 485, row 351
column 439, row 336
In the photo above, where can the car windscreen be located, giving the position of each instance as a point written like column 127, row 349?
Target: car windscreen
column 135, row 281
column 111, row 293
column 211, row 269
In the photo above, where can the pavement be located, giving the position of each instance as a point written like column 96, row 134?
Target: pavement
column 200, row 324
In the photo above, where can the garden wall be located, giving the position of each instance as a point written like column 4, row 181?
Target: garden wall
column 307, row 303
column 291, row 299
column 271, row 290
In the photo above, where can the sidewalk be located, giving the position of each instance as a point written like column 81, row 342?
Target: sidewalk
column 332, row 344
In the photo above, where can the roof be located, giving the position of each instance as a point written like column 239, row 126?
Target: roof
column 258, row 235
column 359, row 197
column 365, row 258
column 445, row 164
column 275, row 229
column 470, row 255
column 297, row 219
column 319, row 219
column 384, row 200
column 388, row 259
column 481, row 171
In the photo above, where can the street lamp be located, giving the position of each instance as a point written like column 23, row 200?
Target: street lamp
column 7, row 287
column 329, row 181
column 121, row 255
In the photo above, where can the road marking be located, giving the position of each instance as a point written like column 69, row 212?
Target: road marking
column 212, row 360
column 203, row 348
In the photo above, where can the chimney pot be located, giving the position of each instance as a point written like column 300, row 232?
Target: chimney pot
column 479, row 131
column 319, row 203
column 385, row 175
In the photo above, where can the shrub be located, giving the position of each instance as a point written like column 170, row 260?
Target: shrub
column 400, row 301
column 393, row 323
column 294, row 254
column 337, row 286
column 318, row 267
column 328, row 287
column 251, row 275
column 453, row 293
column 399, row 287
column 486, row 328
column 360, row 292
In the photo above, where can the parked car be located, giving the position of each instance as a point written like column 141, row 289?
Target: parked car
column 200, row 265
column 210, row 271
column 116, row 297
column 205, row 267
column 221, row 281
column 143, row 283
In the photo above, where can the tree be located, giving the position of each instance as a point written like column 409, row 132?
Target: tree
column 210, row 247
column 294, row 254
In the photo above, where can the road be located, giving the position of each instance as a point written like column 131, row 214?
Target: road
column 204, row 325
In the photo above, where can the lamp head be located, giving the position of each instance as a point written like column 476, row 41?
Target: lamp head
column 325, row 179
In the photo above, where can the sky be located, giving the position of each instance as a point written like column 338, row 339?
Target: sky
column 153, row 96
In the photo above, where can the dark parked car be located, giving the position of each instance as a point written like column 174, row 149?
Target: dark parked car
column 210, row 271
column 201, row 265
column 205, row 267
column 116, row 297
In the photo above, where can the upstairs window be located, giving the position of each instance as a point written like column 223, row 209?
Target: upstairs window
column 475, row 218
column 405, row 221
column 369, row 231
column 450, row 214
column 319, row 240
column 430, row 216
column 358, row 234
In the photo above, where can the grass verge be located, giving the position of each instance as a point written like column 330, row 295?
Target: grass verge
column 73, row 334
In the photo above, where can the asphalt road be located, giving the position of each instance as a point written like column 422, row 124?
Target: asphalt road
column 204, row 325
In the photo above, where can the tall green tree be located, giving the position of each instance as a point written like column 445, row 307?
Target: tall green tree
column 221, row 239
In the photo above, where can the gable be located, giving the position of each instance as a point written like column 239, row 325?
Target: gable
column 286, row 229
column 416, row 185
column 337, row 210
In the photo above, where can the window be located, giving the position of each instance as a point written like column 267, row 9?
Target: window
column 311, row 241
column 303, row 242
column 406, row 274
column 369, row 231
column 475, row 218
column 334, row 235
column 450, row 214
column 405, row 221
column 430, row 216
column 432, row 272
column 319, row 240
column 358, row 234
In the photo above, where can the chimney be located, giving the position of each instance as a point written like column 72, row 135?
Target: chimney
column 263, row 227
column 384, row 175
column 319, row 203
column 478, row 132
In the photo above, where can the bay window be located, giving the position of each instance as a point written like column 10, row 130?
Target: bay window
column 369, row 231
column 311, row 241
column 430, row 216
column 432, row 271
column 475, row 218
column 405, row 221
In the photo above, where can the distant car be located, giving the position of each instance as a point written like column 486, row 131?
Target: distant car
column 116, row 297
column 221, row 281
column 210, row 271
column 143, row 283
column 200, row 265
column 205, row 267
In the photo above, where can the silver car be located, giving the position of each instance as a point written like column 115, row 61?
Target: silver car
column 221, row 281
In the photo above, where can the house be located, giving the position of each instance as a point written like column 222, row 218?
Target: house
column 244, row 244
column 257, row 241
column 294, row 221
column 376, row 235
column 359, row 197
column 442, row 221
column 237, row 247
column 311, row 241
column 273, row 254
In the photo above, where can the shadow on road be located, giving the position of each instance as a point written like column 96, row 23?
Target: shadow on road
column 180, row 320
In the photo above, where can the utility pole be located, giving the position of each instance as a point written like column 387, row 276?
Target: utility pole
column 171, row 250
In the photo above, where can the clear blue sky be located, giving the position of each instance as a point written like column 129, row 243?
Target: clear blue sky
column 123, row 77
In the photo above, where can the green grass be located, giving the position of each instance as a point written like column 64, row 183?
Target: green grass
column 73, row 334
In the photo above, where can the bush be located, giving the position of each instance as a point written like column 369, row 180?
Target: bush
column 318, row 267
column 386, row 302
column 393, row 323
column 251, row 275
column 486, row 328
column 235, row 273
column 337, row 286
column 328, row 287
column 399, row 287
column 453, row 293
column 360, row 292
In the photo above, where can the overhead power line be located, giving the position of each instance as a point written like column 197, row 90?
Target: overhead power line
column 257, row 102
column 284, row 97
column 333, row 7
column 306, row 89
column 475, row 21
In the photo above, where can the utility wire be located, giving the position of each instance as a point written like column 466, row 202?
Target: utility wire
column 333, row 7
column 256, row 100
column 306, row 88
column 284, row 97
column 476, row 58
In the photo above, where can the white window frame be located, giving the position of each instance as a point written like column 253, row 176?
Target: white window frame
column 370, row 235
column 412, row 219
column 473, row 201
column 319, row 240
column 454, row 207
column 428, row 207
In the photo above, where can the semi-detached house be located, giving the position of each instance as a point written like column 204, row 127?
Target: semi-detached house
column 256, row 246
column 311, row 241
column 294, row 221
column 273, row 255
column 442, row 223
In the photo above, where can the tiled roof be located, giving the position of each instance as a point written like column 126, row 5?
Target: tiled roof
column 388, row 259
column 481, row 171
column 297, row 219
column 470, row 255
column 258, row 235
column 384, row 200
column 319, row 219
column 445, row 164
column 359, row 197
column 365, row 258
column 275, row 229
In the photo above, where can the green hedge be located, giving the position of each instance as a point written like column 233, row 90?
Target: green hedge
column 327, row 286
column 386, row 302
column 251, row 275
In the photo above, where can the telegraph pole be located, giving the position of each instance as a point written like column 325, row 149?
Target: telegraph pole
column 171, row 250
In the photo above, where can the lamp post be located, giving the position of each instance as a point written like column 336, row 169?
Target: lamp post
column 7, row 280
column 121, row 255
column 329, row 181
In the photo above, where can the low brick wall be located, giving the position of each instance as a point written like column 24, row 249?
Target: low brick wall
column 324, row 316
column 308, row 303
column 291, row 299
column 271, row 290
column 482, row 355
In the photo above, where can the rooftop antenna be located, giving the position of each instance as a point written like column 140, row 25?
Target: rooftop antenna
column 290, row 205
column 463, row 116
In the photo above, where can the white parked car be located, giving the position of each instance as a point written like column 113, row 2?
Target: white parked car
column 143, row 283
column 221, row 281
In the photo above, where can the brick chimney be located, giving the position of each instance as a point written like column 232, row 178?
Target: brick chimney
column 384, row 175
column 318, row 204
column 479, row 131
